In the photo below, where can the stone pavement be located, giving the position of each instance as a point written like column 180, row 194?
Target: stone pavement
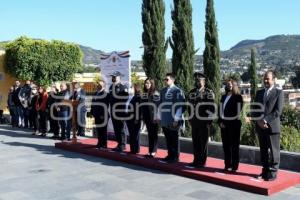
column 31, row 168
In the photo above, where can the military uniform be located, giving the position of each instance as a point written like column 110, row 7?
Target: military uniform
column 202, row 102
column 118, row 94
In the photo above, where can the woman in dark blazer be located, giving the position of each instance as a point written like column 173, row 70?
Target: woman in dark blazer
column 133, row 115
column 230, row 123
column 150, row 101
column 99, row 110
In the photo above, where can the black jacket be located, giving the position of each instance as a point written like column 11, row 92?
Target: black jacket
column 98, row 109
column 203, row 104
column 232, row 109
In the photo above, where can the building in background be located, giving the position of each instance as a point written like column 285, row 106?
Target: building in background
column 6, row 81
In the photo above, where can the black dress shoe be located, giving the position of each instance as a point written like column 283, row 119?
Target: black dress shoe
column 172, row 160
column 150, row 155
column 270, row 176
column 262, row 176
column 101, row 148
column 167, row 158
column 226, row 169
column 195, row 165
column 118, row 149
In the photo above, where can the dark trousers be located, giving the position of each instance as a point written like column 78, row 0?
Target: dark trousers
column 12, row 112
column 231, row 143
column 200, row 140
column 19, row 116
column 43, row 122
column 65, row 124
column 119, row 133
column 172, row 141
column 81, row 122
column 269, row 144
column 26, row 117
column 54, row 124
column 152, row 129
column 134, row 135
column 101, row 133
column 34, row 119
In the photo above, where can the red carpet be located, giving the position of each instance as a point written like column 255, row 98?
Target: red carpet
column 243, row 179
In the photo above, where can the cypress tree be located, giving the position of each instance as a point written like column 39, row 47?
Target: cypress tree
column 211, row 55
column 253, row 89
column 155, row 46
column 253, row 76
column 182, row 43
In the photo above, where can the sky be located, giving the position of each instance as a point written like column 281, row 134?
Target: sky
column 111, row 25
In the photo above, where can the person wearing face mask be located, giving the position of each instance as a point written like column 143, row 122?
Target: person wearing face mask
column 52, row 112
column 229, row 120
column 41, row 106
column 268, row 126
column 33, row 113
column 118, row 95
column 79, row 94
column 150, row 100
column 99, row 110
column 133, row 115
column 170, row 116
column 64, row 112
column 11, row 107
column 18, row 105
column 202, row 101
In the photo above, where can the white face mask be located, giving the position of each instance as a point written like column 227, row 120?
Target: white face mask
column 131, row 91
column 34, row 91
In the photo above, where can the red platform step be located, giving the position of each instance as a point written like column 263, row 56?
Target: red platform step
column 244, row 179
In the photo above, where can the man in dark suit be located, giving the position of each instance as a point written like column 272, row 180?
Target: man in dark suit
column 24, row 96
column 64, row 112
column 99, row 110
column 201, row 99
column 268, row 126
column 118, row 95
column 170, row 123
column 18, row 105
column 79, row 95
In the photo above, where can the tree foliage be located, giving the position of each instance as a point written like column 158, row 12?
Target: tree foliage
column 155, row 46
column 182, row 43
column 136, row 79
column 232, row 75
column 296, row 80
column 253, row 75
column 42, row 61
column 211, row 55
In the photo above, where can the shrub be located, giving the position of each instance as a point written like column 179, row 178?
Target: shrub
column 42, row 61
column 290, row 139
column 290, row 117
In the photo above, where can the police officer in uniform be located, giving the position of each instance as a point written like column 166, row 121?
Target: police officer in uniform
column 118, row 94
column 201, row 99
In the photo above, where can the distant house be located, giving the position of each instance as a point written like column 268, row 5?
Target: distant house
column 6, row 81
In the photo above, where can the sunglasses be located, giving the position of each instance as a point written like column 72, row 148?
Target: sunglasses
column 166, row 79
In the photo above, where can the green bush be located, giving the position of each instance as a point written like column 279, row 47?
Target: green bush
column 42, row 61
column 290, row 139
column 290, row 117
column 248, row 135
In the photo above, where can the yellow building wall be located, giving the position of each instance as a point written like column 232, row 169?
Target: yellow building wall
column 6, row 81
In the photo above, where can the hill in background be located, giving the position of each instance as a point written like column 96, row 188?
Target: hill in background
column 280, row 52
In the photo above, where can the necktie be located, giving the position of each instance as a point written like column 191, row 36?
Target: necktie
column 266, row 95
